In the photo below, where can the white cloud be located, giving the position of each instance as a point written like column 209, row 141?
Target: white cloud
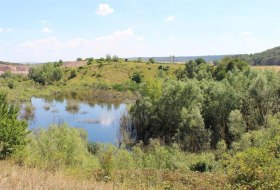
column 46, row 30
column 246, row 33
column 44, row 21
column 140, row 38
column 171, row 37
column 121, row 42
column 5, row 30
column 104, row 9
column 170, row 18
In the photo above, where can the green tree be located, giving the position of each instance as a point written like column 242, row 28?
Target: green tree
column 152, row 60
column 236, row 124
column 12, row 131
column 200, row 61
column 137, row 77
column 192, row 133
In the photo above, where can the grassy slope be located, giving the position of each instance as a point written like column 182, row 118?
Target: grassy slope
column 117, row 73
column 113, row 77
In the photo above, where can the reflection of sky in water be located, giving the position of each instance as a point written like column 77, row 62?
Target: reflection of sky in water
column 101, row 121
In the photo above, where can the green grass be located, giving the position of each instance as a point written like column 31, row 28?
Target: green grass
column 109, row 81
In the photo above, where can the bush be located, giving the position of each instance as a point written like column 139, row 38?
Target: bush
column 57, row 147
column 11, row 84
column 73, row 74
column 255, row 168
column 152, row 60
column 137, row 77
column 12, row 131
column 46, row 74
column 200, row 167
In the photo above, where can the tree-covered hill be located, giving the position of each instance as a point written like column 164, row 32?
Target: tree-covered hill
column 268, row 57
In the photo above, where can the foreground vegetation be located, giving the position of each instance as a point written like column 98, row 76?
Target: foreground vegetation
column 196, row 126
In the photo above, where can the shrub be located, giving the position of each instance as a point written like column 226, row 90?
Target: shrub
column 200, row 167
column 137, row 77
column 57, row 147
column 11, row 84
column 255, row 168
column 152, row 60
column 106, row 160
column 12, row 131
column 115, row 58
column 73, row 73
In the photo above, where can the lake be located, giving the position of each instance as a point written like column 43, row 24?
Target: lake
column 100, row 120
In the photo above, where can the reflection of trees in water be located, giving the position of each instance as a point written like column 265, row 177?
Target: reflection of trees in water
column 72, row 106
column 116, row 106
column 92, row 97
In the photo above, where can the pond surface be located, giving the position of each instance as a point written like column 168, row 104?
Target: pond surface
column 100, row 120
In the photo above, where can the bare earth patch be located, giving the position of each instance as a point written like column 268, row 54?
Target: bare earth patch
column 74, row 63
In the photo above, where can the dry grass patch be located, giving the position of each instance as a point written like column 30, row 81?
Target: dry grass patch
column 20, row 178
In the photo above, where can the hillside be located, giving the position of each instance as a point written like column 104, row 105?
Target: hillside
column 14, row 68
column 181, row 59
column 268, row 57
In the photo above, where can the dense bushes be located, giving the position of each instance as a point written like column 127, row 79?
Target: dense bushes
column 12, row 131
column 55, row 148
column 197, row 112
column 46, row 74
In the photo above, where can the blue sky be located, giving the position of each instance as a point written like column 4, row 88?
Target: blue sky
column 49, row 30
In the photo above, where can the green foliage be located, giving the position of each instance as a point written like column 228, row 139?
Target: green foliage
column 157, row 115
column 152, row 60
column 236, row 124
column 115, row 58
column 255, row 168
column 46, row 74
column 73, row 74
column 12, row 131
column 108, row 58
column 137, row 77
column 192, row 133
column 57, row 147
column 200, row 61
column 11, row 84
column 268, row 57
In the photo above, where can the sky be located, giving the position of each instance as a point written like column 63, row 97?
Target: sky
column 49, row 30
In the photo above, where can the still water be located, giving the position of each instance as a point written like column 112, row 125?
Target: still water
column 100, row 120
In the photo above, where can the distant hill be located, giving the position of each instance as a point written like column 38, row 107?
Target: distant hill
column 268, row 57
column 13, row 68
column 181, row 59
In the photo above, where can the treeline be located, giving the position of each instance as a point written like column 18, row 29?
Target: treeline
column 268, row 57
column 203, row 106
